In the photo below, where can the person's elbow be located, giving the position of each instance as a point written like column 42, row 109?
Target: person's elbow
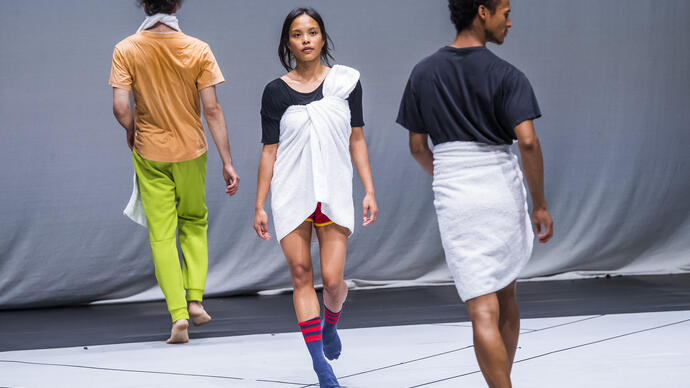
column 417, row 148
column 528, row 143
column 120, row 109
column 212, row 110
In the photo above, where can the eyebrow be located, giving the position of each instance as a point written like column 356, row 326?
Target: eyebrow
column 299, row 30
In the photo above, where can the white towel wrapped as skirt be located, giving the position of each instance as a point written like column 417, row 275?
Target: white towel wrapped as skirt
column 481, row 206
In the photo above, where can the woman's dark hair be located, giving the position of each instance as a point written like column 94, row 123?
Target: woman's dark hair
column 152, row 7
column 463, row 12
column 284, row 53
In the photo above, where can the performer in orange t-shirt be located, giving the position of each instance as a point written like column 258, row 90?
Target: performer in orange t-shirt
column 171, row 75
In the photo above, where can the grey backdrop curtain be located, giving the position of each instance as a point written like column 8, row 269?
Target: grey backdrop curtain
column 612, row 82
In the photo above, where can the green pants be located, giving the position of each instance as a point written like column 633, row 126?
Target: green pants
column 174, row 198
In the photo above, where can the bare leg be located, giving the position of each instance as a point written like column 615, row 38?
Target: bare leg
column 333, row 246
column 197, row 313
column 178, row 333
column 509, row 321
column 297, row 251
column 333, row 243
column 488, row 345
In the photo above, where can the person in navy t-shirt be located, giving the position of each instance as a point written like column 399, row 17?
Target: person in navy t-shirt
column 473, row 105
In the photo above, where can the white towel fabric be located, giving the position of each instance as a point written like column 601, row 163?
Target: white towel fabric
column 313, row 159
column 134, row 209
column 481, row 206
column 168, row 20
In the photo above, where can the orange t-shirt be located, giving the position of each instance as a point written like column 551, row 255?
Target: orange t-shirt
column 165, row 71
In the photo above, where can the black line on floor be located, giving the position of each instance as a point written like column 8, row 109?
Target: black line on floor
column 457, row 350
column 562, row 350
column 278, row 382
column 144, row 371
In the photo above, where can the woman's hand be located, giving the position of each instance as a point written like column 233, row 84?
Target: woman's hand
column 370, row 209
column 261, row 224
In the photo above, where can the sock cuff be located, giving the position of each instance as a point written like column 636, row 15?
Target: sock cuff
column 311, row 329
column 310, row 322
column 330, row 316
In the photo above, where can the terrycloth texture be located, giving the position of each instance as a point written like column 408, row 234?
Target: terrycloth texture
column 168, row 20
column 482, row 214
column 313, row 160
column 134, row 209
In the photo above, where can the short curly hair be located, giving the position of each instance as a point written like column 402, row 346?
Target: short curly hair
column 152, row 7
column 463, row 12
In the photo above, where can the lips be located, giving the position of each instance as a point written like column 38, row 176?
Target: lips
column 307, row 50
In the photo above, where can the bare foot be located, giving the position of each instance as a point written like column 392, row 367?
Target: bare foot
column 198, row 314
column 178, row 333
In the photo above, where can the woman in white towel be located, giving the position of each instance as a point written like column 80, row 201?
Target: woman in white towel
column 311, row 123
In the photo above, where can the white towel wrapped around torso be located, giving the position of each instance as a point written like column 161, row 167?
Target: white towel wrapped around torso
column 481, row 205
column 313, row 159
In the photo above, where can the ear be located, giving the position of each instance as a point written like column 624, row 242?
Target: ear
column 482, row 12
column 175, row 9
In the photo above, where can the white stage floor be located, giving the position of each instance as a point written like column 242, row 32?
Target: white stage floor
column 623, row 350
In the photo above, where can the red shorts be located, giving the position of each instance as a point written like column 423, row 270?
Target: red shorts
column 318, row 218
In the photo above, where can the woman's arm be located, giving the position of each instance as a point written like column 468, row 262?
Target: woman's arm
column 360, row 157
column 263, row 183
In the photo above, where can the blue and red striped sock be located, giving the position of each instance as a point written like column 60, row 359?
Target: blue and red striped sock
column 311, row 330
column 331, row 340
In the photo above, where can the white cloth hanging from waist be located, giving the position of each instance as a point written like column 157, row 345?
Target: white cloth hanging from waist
column 481, row 205
column 134, row 208
column 313, row 159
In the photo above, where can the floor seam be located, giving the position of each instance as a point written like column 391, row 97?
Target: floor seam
column 147, row 372
column 457, row 350
column 561, row 350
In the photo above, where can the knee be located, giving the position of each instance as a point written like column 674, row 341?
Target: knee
column 302, row 275
column 507, row 297
column 483, row 314
column 332, row 284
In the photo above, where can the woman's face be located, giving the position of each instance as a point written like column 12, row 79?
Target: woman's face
column 306, row 40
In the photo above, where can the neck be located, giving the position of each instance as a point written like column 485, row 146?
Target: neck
column 470, row 37
column 310, row 71
column 160, row 27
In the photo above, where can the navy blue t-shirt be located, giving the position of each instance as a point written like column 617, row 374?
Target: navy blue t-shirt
column 467, row 94
column 278, row 96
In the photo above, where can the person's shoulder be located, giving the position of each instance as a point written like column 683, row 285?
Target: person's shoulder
column 428, row 63
column 501, row 66
column 275, row 85
column 194, row 41
column 343, row 69
column 274, row 90
column 127, row 42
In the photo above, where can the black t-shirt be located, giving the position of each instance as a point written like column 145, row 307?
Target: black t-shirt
column 467, row 94
column 278, row 96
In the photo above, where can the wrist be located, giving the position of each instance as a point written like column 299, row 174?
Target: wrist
column 369, row 192
column 539, row 206
column 258, row 207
